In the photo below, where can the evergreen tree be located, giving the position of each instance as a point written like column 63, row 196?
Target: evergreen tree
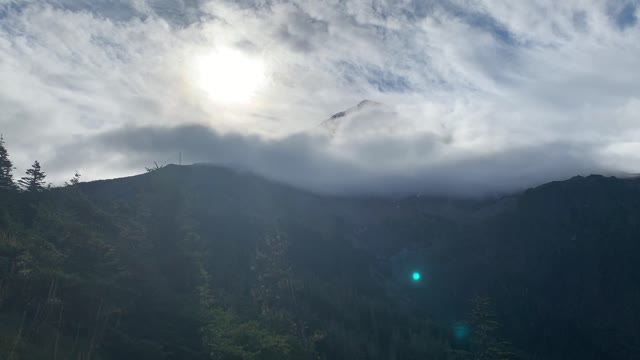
column 6, row 168
column 486, row 345
column 74, row 180
column 34, row 181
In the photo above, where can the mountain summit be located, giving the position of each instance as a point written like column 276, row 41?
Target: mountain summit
column 364, row 114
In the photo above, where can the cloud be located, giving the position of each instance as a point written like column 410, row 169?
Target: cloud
column 626, row 16
column 487, row 96
column 369, row 165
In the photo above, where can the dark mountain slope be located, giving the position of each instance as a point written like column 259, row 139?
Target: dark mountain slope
column 573, row 250
column 561, row 263
column 205, row 262
column 198, row 262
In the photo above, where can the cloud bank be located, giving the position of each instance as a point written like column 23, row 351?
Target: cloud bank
column 486, row 96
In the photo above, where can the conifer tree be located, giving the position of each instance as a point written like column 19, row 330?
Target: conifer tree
column 74, row 180
column 34, row 181
column 486, row 344
column 6, row 169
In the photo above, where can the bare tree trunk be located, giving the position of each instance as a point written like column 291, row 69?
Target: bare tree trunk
column 299, row 321
column 55, row 346
column 75, row 340
column 35, row 317
column 18, row 336
column 104, row 328
column 53, row 281
column 25, row 286
column 95, row 331
column 53, row 288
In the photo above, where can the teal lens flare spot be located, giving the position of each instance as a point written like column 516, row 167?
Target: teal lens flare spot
column 460, row 331
column 416, row 276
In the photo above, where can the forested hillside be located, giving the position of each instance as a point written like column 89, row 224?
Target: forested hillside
column 202, row 262
column 197, row 262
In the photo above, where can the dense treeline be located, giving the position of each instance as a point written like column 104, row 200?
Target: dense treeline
column 198, row 262
column 148, row 270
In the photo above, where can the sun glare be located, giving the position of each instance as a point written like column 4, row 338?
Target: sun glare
column 229, row 76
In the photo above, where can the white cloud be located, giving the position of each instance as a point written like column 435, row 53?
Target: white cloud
column 549, row 88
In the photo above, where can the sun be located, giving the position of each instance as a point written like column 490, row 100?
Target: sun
column 229, row 76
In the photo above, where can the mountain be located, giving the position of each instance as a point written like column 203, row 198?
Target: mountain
column 204, row 262
column 365, row 116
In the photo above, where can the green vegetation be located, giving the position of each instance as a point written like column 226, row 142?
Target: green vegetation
column 485, row 343
column 201, row 262
column 6, row 168
column 34, row 179
column 170, row 265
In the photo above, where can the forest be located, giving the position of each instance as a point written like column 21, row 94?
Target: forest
column 206, row 262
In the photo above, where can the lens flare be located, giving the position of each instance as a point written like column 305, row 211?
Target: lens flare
column 460, row 331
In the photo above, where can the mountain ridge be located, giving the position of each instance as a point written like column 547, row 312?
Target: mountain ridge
column 335, row 121
column 205, row 248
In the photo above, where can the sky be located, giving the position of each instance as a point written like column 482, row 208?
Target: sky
column 471, row 97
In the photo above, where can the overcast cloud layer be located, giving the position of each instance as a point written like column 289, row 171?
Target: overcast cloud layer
column 480, row 96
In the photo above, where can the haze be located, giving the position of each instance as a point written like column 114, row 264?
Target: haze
column 479, row 96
